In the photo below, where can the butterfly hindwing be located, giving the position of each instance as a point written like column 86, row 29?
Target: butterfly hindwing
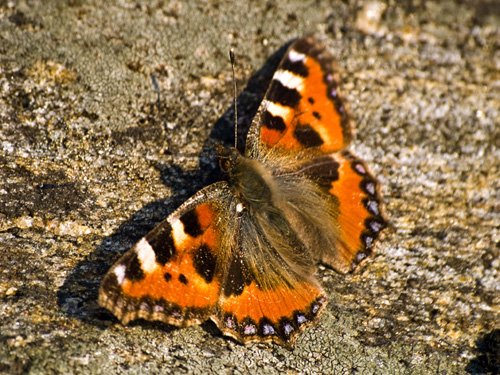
column 279, row 314
column 269, row 292
column 334, row 205
column 361, row 216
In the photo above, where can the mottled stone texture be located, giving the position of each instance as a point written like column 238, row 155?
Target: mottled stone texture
column 91, row 160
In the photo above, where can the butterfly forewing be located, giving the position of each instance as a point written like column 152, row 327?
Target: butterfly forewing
column 174, row 273
column 303, row 112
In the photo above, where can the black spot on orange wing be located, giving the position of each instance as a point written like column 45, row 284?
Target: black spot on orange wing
column 160, row 239
column 324, row 170
column 204, row 263
column 183, row 279
column 273, row 122
column 238, row 276
column 283, row 95
column 296, row 67
column 307, row 136
column 133, row 270
column 167, row 276
column 191, row 223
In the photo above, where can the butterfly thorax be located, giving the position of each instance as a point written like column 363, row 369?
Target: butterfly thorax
column 250, row 181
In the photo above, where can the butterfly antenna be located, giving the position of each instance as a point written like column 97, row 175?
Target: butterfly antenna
column 156, row 86
column 231, row 56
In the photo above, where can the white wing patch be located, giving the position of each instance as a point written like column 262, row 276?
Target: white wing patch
column 295, row 56
column 146, row 255
column 120, row 273
column 289, row 79
column 178, row 233
column 276, row 109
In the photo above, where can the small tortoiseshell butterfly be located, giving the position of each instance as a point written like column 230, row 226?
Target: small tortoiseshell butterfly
column 243, row 252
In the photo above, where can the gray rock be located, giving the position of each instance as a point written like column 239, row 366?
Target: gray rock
column 90, row 161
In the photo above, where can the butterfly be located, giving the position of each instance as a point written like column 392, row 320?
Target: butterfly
column 243, row 251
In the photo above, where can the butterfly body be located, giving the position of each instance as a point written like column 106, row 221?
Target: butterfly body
column 243, row 251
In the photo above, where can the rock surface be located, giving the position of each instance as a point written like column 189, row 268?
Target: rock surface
column 91, row 160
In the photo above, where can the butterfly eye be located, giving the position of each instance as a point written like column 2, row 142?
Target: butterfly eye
column 225, row 164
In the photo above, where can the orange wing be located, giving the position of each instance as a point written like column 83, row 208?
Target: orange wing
column 303, row 111
column 279, row 314
column 174, row 273
column 337, row 211
column 269, row 292
column 209, row 261
column 361, row 216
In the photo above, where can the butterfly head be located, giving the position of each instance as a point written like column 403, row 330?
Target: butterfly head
column 228, row 157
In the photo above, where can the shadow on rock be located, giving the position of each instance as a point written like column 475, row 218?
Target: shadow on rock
column 488, row 359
